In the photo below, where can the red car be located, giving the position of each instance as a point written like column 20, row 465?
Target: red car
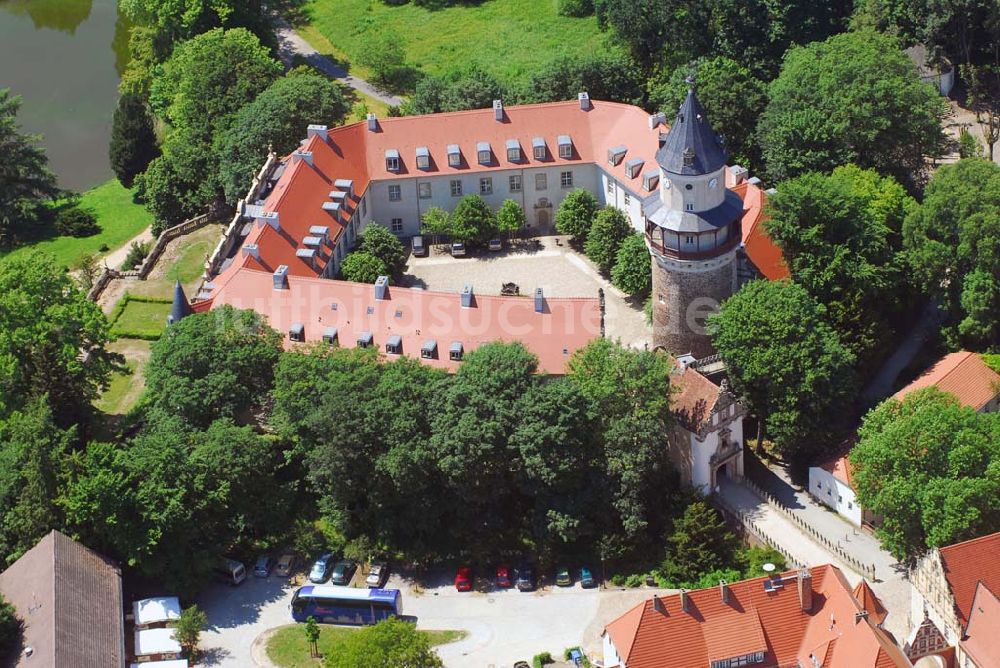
column 503, row 580
column 463, row 579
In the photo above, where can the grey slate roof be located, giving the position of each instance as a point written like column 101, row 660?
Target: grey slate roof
column 180, row 307
column 691, row 130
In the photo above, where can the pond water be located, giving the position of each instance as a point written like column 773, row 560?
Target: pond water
column 63, row 57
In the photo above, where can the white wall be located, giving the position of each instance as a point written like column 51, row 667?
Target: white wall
column 834, row 493
column 611, row 657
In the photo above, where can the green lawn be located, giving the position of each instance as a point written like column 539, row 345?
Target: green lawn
column 141, row 319
column 509, row 38
column 190, row 262
column 288, row 647
column 115, row 400
column 119, row 217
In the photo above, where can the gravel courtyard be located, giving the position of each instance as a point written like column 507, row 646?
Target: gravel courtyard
column 549, row 263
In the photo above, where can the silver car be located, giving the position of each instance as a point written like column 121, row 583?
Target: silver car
column 377, row 575
column 320, row 572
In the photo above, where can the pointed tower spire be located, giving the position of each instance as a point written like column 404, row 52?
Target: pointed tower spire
column 692, row 147
column 181, row 307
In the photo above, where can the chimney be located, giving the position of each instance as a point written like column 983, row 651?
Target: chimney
column 372, row 123
column 251, row 250
column 858, row 616
column 270, row 218
column 657, row 119
column 725, row 592
column 304, row 156
column 316, row 131
column 685, row 601
column 281, row 277
column 658, row 605
column 498, row 110
column 381, row 287
column 740, row 174
column 467, row 296
column 584, row 99
column 805, row 586
column 539, row 301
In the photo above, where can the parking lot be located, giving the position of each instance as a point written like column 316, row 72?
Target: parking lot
column 549, row 263
column 502, row 626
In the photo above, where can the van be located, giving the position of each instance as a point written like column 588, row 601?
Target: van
column 231, row 571
column 419, row 249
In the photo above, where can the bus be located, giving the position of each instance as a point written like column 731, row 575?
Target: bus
column 341, row 605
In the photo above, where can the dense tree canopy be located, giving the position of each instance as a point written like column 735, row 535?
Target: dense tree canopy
column 386, row 246
column 605, row 76
column 789, row 366
column 133, row 142
column 473, row 88
column 362, row 267
column 25, row 180
column 575, row 214
column 932, row 468
column 632, row 272
column 182, row 19
column 840, row 237
column 610, row 228
column 393, row 642
column 276, row 119
column 854, row 98
column 953, row 243
column 472, row 221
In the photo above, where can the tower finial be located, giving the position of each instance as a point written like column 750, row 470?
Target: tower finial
column 691, row 81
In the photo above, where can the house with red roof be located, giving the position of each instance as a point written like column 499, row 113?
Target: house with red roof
column 805, row 619
column 955, row 605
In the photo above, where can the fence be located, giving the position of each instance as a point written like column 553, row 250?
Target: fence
column 867, row 570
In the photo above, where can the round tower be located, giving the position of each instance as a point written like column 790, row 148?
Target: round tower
column 693, row 233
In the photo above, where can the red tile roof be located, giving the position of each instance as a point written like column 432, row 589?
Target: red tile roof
column 981, row 642
column 870, row 602
column 841, row 469
column 966, row 564
column 762, row 251
column 694, row 397
column 415, row 315
column 963, row 374
column 753, row 620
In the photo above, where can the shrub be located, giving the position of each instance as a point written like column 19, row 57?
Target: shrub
column 542, row 659
column 137, row 252
column 609, row 230
column 362, row 267
column 576, row 214
column 74, row 221
column 618, row 580
column 472, row 221
column 968, row 145
column 631, row 272
column 386, row 246
column 634, row 580
column 577, row 8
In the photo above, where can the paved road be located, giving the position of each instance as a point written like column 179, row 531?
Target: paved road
column 291, row 43
column 884, row 381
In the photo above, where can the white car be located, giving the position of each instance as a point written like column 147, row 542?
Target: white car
column 377, row 574
column 457, row 249
column 320, row 572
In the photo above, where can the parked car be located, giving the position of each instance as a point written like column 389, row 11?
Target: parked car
column 343, row 571
column 377, row 574
column 419, row 249
column 463, row 579
column 503, row 580
column 285, row 565
column 321, row 569
column 587, row 580
column 563, row 578
column 230, row 571
column 263, row 566
column 458, row 249
column 525, row 578
column 495, row 245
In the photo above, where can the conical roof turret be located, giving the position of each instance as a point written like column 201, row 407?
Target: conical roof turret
column 180, row 307
column 692, row 147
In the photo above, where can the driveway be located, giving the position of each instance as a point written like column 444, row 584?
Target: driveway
column 502, row 626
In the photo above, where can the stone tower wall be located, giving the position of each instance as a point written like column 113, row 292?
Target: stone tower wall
column 685, row 293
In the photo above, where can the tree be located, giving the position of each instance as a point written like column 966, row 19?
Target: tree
column 133, row 142
column 840, row 237
column 275, row 120
column 386, row 246
column 312, row 636
column 642, row 26
column 392, row 642
column 187, row 632
column 605, row 76
column 731, row 95
column 435, row 222
column 932, row 467
column 984, row 98
column 214, row 364
column 576, row 214
column 362, row 267
column 32, row 451
column 181, row 183
column 46, row 321
column 10, row 628
column 472, row 221
column 821, row 114
column 700, row 543
column 473, row 88
column 510, row 218
column 632, row 273
column 176, row 21
column 383, row 56
column 609, row 230
column 26, row 183
column 789, row 366
column 953, row 244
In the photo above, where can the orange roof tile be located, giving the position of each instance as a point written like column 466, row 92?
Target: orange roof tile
column 963, row 374
column 870, row 602
column 966, row 564
column 756, row 619
column 694, row 399
column 415, row 315
column 981, row 642
column 762, row 251
column 841, row 469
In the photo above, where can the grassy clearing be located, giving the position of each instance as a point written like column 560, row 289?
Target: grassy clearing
column 288, row 647
column 361, row 103
column 509, row 38
column 120, row 219
column 138, row 318
column 126, row 388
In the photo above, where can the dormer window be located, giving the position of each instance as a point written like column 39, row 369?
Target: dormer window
column 455, row 351
column 650, row 180
column 513, row 150
column 394, row 346
column 392, row 160
column 616, row 155
column 454, row 155
column 688, row 157
column 483, row 153
column 633, row 167
column 365, row 339
column 538, row 148
column 565, row 146
column 423, row 158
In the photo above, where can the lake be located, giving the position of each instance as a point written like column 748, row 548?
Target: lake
column 63, row 57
